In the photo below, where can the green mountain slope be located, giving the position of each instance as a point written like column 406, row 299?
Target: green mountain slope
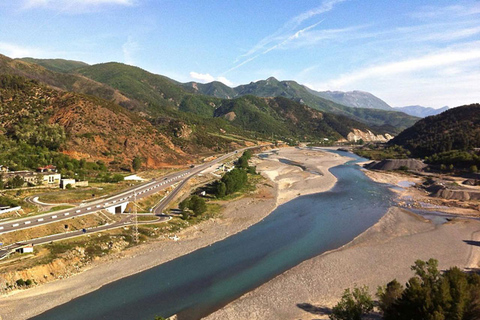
column 382, row 120
column 57, row 65
column 454, row 129
column 156, row 92
column 283, row 117
column 167, row 103
column 214, row 89
column 63, row 81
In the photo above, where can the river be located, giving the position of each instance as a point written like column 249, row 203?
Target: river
column 203, row 281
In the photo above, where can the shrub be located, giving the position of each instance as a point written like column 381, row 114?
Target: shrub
column 353, row 305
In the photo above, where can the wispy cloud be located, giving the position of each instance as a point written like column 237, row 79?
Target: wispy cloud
column 444, row 77
column 129, row 49
column 430, row 61
column 434, row 12
column 74, row 6
column 16, row 51
column 288, row 32
column 206, row 77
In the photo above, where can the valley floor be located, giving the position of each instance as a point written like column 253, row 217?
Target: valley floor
column 286, row 182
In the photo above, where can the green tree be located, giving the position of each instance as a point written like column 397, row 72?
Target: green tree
column 220, row 189
column 197, row 205
column 353, row 305
column 136, row 163
column 388, row 294
column 16, row 182
column 474, row 169
column 184, row 204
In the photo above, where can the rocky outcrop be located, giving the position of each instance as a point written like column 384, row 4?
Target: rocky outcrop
column 396, row 164
column 367, row 136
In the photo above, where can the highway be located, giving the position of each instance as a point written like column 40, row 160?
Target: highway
column 143, row 190
column 128, row 220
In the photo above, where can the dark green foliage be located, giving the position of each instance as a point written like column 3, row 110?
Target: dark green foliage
column 388, row 294
column 20, row 282
column 431, row 295
column 220, row 189
column 377, row 152
column 136, row 163
column 183, row 205
column 353, row 305
column 454, row 129
column 6, row 201
column 197, row 205
column 242, row 162
column 234, row 180
column 29, row 282
column 15, row 182
column 462, row 159
column 194, row 203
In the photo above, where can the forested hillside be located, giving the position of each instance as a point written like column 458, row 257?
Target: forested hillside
column 444, row 138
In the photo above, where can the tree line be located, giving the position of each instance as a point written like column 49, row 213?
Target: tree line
column 429, row 295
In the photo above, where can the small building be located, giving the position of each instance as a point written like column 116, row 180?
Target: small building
column 27, row 176
column 65, row 182
column 26, row 249
column 49, row 168
column 50, row 178
column 34, row 178
column 133, row 177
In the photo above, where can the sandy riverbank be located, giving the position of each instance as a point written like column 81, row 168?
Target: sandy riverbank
column 383, row 252
column 287, row 182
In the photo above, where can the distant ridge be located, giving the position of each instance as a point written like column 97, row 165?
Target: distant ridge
column 355, row 99
column 363, row 107
column 421, row 112
column 57, row 65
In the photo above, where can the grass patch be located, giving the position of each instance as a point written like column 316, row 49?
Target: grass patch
column 146, row 218
column 58, row 208
column 95, row 190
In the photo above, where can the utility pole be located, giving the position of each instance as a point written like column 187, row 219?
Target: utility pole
column 135, row 217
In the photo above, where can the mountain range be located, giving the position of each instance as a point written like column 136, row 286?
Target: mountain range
column 421, row 112
column 184, row 118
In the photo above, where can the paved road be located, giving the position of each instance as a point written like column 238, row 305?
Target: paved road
column 141, row 191
column 127, row 220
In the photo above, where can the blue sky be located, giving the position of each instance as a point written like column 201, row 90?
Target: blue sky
column 405, row 52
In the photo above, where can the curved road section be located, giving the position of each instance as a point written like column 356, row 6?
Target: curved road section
column 141, row 191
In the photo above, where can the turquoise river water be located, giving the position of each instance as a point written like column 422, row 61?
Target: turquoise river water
column 199, row 283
